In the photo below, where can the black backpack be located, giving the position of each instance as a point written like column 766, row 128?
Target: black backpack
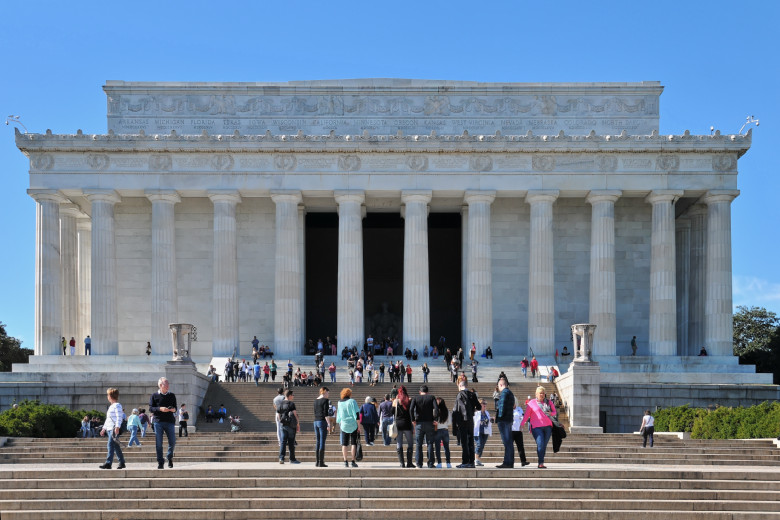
column 284, row 414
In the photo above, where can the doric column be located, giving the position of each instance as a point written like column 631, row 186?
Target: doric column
column 541, row 288
column 105, row 334
column 479, row 278
column 84, row 231
column 69, row 214
column 697, row 281
column 302, row 254
column 464, row 273
column 663, row 291
column 48, row 298
column 682, row 248
column 417, row 306
column 719, row 328
column 287, row 300
column 165, row 298
column 602, row 270
column 225, row 339
column 350, row 307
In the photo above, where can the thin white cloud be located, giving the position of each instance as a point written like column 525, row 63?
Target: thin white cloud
column 752, row 291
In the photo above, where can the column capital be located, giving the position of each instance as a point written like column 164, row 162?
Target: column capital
column 537, row 196
column 342, row 196
column 595, row 196
column 229, row 196
column 71, row 210
column 48, row 195
column 171, row 196
column 719, row 196
column 98, row 195
column 424, row 196
column 286, row 196
column 475, row 196
column 660, row 196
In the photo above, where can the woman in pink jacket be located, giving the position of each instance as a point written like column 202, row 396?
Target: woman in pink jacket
column 538, row 412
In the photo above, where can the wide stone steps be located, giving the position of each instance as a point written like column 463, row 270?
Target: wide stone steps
column 484, row 493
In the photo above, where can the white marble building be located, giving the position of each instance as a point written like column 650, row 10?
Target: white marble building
column 192, row 208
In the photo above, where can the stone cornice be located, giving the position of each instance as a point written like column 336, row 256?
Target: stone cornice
column 367, row 143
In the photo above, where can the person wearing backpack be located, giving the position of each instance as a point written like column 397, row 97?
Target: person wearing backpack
column 288, row 417
column 463, row 418
column 369, row 418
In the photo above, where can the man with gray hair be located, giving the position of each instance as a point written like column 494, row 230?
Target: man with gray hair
column 162, row 405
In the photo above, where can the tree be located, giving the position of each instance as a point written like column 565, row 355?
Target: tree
column 11, row 351
column 757, row 339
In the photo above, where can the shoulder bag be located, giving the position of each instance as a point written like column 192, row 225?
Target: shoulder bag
column 392, row 428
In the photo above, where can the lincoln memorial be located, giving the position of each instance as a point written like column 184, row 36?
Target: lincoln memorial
column 493, row 213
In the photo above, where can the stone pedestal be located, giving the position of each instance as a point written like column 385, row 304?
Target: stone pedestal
column 417, row 311
column 583, row 399
column 188, row 385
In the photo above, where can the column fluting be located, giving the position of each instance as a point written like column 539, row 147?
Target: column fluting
column 417, row 308
column 682, row 249
column 84, row 231
column 287, row 294
column 105, row 333
column 69, row 214
column 697, row 281
column 719, row 318
column 350, row 321
column 663, row 276
column 541, row 288
column 48, row 288
column 165, row 299
column 225, row 337
column 479, row 276
column 602, row 270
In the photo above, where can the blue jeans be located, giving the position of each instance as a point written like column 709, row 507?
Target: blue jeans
column 321, row 433
column 479, row 443
column 425, row 377
column 288, row 439
column 466, row 437
column 381, row 377
column 505, row 429
column 133, row 436
column 387, row 421
column 525, row 371
column 424, row 429
column 333, row 377
column 170, row 431
column 442, row 436
column 399, row 441
column 113, row 447
column 542, row 437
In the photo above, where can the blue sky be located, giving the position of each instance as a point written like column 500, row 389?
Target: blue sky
column 718, row 61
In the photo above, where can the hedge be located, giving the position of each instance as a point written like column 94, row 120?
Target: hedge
column 35, row 419
column 755, row 422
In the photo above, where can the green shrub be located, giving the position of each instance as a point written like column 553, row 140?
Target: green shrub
column 755, row 422
column 35, row 419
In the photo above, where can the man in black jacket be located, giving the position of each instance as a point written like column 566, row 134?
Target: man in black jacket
column 463, row 415
column 162, row 405
column 424, row 412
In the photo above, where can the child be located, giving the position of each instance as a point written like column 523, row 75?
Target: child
column 184, row 416
column 114, row 418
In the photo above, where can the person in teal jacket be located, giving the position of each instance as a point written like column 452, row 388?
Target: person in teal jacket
column 347, row 417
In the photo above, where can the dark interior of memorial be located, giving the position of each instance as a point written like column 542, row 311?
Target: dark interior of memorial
column 383, row 267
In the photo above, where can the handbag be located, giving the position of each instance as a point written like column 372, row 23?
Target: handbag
column 392, row 428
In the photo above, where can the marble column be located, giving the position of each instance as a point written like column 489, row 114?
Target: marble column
column 287, row 299
column 69, row 214
column 682, row 248
column 165, row 298
column 697, row 281
column 718, row 311
column 225, row 336
column 663, row 292
column 479, row 277
column 350, row 321
column 105, row 333
column 302, row 254
column 464, row 273
column 541, row 284
column 417, row 306
column 84, row 231
column 602, row 270
column 48, row 296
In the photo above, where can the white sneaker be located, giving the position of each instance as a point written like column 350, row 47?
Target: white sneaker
column 478, row 463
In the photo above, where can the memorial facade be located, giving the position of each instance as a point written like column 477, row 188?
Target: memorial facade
column 493, row 213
